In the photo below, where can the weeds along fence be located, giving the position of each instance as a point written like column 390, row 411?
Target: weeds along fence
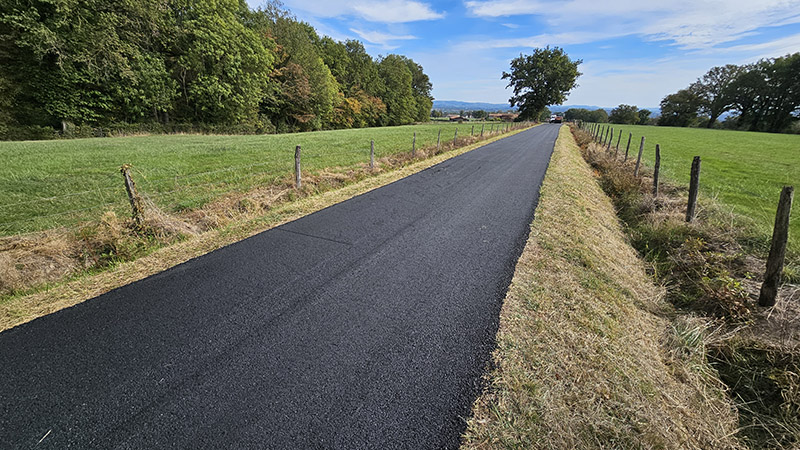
column 173, row 192
column 603, row 135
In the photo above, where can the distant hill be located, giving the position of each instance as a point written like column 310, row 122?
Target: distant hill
column 454, row 106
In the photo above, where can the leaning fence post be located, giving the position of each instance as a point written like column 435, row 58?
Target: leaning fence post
column 608, row 149
column 616, row 147
column 137, row 206
column 777, row 251
column 372, row 154
column 627, row 149
column 656, row 170
column 694, row 187
column 639, row 159
column 455, row 137
column 414, row 145
column 297, row 182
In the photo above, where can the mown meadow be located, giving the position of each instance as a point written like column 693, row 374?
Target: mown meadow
column 47, row 184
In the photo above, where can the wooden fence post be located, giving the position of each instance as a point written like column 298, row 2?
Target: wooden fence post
column 656, row 170
column 438, row 140
column 627, row 149
column 137, row 206
column 414, row 145
column 472, row 131
column 372, row 154
column 482, row 125
column 639, row 159
column 297, row 181
column 455, row 137
column 608, row 149
column 694, row 187
column 777, row 252
column 616, row 147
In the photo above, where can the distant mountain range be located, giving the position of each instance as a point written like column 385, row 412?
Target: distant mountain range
column 456, row 106
column 453, row 106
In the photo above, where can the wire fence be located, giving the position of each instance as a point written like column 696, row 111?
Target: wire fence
column 181, row 191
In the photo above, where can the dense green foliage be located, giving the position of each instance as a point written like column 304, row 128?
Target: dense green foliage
column 763, row 96
column 541, row 79
column 214, row 64
column 624, row 114
column 584, row 115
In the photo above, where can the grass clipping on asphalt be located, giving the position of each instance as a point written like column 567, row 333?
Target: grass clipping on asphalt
column 586, row 355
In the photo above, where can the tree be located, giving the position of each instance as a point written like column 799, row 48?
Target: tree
column 680, row 109
column 644, row 117
column 541, row 79
column 782, row 93
column 398, row 95
column 599, row 116
column 219, row 86
column 303, row 92
column 544, row 115
column 624, row 114
column 714, row 90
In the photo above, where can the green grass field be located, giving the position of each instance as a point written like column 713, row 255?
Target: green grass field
column 743, row 170
column 46, row 184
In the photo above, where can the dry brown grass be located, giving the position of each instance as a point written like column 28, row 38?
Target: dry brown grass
column 50, row 259
column 586, row 356
column 712, row 268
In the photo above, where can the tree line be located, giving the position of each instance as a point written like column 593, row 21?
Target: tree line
column 762, row 96
column 208, row 64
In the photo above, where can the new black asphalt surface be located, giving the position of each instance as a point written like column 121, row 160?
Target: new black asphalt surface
column 365, row 325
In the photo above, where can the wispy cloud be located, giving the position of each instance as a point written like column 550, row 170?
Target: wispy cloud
column 689, row 24
column 777, row 47
column 381, row 11
column 396, row 11
column 382, row 39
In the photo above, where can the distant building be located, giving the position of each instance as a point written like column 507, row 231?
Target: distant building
column 457, row 118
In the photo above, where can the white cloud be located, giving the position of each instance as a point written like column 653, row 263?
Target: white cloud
column 778, row 47
column 382, row 11
column 382, row 39
column 396, row 11
column 501, row 8
column 690, row 24
column 540, row 40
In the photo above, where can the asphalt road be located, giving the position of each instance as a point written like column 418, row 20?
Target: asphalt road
column 365, row 325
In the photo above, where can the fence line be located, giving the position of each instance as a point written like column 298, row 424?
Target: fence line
column 775, row 261
column 150, row 187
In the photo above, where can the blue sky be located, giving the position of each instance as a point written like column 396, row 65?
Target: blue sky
column 633, row 52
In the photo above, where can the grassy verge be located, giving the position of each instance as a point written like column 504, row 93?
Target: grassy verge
column 713, row 276
column 587, row 355
column 744, row 171
column 235, row 217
